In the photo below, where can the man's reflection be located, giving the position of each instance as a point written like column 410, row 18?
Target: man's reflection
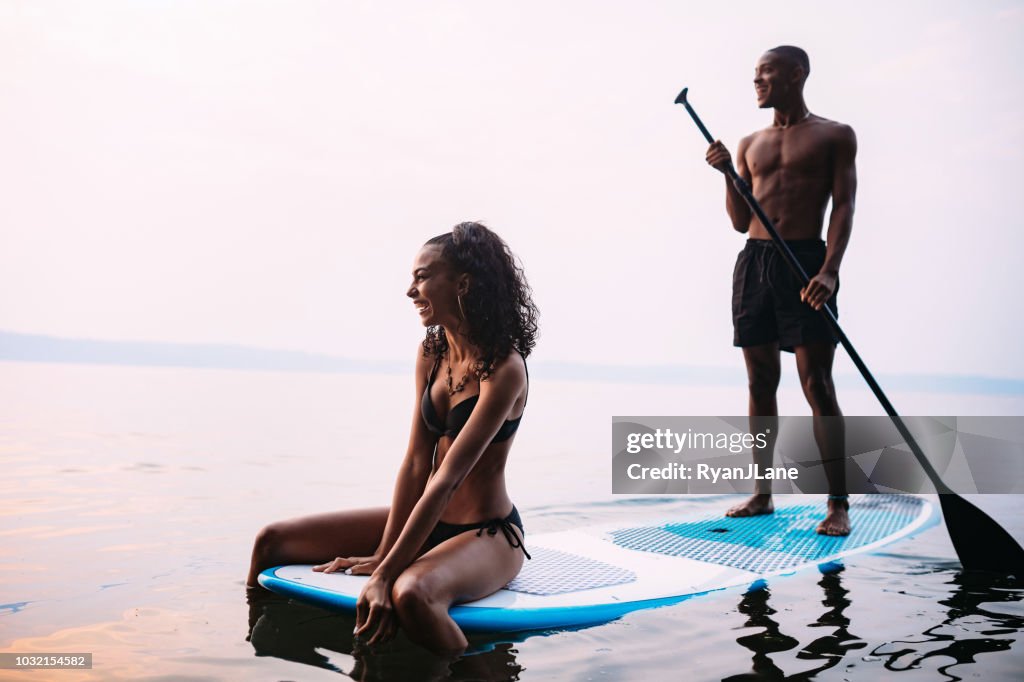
column 950, row 639
column 829, row 649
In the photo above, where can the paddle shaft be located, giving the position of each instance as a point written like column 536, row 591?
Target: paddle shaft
column 797, row 269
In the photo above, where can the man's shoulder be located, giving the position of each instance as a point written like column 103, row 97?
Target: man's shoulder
column 835, row 129
column 746, row 140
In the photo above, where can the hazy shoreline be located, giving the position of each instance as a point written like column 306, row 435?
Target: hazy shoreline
column 19, row 347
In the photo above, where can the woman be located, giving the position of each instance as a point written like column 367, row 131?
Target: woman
column 471, row 387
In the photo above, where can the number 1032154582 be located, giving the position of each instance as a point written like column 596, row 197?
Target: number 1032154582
column 24, row 661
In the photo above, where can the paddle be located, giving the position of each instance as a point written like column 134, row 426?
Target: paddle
column 980, row 542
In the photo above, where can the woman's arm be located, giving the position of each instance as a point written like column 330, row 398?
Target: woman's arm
column 374, row 612
column 498, row 395
column 415, row 469
column 409, row 484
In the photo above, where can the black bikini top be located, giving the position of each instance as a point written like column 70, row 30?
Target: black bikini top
column 459, row 413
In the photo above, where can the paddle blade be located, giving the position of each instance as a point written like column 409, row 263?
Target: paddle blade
column 681, row 97
column 980, row 542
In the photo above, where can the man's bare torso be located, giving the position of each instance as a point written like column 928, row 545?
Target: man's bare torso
column 791, row 171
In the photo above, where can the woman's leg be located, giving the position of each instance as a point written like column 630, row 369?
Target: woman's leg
column 317, row 539
column 461, row 569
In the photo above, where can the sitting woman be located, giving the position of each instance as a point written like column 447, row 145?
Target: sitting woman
column 471, row 389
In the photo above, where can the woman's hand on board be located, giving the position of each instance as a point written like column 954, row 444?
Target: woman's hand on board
column 353, row 565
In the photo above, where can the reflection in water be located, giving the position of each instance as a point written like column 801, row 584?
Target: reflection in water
column 949, row 639
column 952, row 638
column 755, row 605
column 829, row 649
column 296, row 632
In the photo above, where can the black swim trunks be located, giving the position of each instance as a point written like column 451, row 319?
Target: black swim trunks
column 444, row 531
column 766, row 305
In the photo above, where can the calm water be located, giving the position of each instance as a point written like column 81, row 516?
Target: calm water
column 131, row 496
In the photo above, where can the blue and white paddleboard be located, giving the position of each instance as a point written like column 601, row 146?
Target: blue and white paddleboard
column 595, row 574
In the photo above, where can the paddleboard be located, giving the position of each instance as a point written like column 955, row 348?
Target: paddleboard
column 598, row 573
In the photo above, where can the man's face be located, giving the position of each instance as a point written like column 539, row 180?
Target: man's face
column 773, row 80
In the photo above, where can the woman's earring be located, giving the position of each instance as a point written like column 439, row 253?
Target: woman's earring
column 462, row 311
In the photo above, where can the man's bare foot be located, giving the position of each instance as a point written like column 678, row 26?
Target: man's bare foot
column 837, row 521
column 755, row 506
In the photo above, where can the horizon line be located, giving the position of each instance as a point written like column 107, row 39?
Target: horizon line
column 22, row 347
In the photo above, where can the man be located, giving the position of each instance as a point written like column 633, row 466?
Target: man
column 793, row 167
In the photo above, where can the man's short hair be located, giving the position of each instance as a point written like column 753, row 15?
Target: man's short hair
column 795, row 56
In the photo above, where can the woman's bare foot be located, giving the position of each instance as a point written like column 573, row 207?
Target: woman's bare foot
column 837, row 521
column 760, row 503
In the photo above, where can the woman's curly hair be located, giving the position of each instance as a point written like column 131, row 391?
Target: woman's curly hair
column 501, row 316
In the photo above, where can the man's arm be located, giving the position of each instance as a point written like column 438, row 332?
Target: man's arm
column 735, row 205
column 840, row 224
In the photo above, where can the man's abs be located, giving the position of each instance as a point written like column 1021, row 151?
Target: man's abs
column 796, row 206
column 790, row 170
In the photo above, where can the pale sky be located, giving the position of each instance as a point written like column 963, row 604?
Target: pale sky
column 263, row 173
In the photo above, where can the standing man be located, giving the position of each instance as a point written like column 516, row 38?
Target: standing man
column 793, row 167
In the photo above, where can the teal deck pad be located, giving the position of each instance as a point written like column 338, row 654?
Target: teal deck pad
column 772, row 542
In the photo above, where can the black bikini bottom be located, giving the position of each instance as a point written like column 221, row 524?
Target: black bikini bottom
column 444, row 531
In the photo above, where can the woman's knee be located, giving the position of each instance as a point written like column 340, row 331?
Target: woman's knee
column 412, row 595
column 423, row 614
column 269, row 541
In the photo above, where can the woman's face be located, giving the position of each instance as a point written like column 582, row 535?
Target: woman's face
column 435, row 289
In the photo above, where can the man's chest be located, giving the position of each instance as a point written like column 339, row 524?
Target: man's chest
column 790, row 151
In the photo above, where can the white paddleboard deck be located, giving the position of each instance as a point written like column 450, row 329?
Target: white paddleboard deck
column 594, row 574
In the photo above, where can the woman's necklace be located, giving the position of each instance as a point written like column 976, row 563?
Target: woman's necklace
column 448, row 382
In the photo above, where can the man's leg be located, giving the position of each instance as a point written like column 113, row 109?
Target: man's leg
column 763, row 379
column 814, row 363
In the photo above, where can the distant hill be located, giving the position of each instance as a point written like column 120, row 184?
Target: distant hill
column 19, row 347
column 38, row 348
